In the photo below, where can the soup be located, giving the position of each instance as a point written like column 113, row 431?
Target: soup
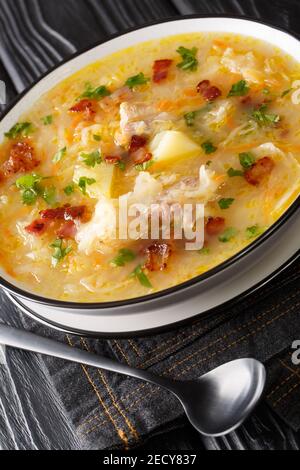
column 198, row 119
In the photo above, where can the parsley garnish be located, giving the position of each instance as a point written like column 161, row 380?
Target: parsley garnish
column 208, row 147
column 97, row 137
column 247, row 159
column 59, row 155
column 190, row 118
column 91, row 159
column 232, row 172
column 254, row 231
column 60, row 252
column 84, row 182
column 204, row 251
column 189, row 60
column 95, row 93
column 229, row 233
column 144, row 166
column 136, row 80
column 141, row 276
column 286, row 92
column 124, row 256
column 225, row 203
column 29, row 185
column 68, row 190
column 21, row 128
column 49, row 195
column 240, row 88
column 47, row 120
column 263, row 118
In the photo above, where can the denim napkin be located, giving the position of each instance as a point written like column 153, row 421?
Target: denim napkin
column 112, row 411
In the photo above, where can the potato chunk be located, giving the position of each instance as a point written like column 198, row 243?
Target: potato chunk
column 173, row 145
column 103, row 174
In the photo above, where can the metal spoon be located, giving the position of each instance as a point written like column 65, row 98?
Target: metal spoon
column 216, row 403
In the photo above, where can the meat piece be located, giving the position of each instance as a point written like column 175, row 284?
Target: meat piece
column 259, row 171
column 246, row 101
column 113, row 159
column 37, row 227
column 161, row 69
column 141, row 156
column 64, row 213
column 21, row 159
column 67, row 230
column 137, row 142
column 86, row 107
column 215, row 226
column 209, row 93
column 158, row 255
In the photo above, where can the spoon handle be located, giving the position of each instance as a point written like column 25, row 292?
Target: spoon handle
column 26, row 341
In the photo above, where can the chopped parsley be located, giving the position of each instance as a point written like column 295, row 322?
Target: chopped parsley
column 144, row 166
column 263, row 118
column 97, row 137
column 254, row 231
column 59, row 155
column 240, row 88
column 84, row 182
column 136, row 80
column 68, row 190
column 21, row 128
column 121, row 165
column 192, row 115
column 204, row 251
column 91, row 159
column 95, row 93
column 225, row 203
column 60, row 251
column 228, row 235
column 124, row 256
column 49, row 195
column 47, row 120
column 139, row 274
column 30, row 189
column 189, row 59
column 286, row 92
column 208, row 147
column 247, row 159
column 232, row 173
column 266, row 91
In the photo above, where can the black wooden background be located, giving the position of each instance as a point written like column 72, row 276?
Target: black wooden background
column 35, row 35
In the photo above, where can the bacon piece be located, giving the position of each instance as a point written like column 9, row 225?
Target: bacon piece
column 21, row 159
column 259, row 171
column 67, row 230
column 161, row 69
column 37, row 227
column 215, row 226
column 158, row 255
column 246, row 100
column 113, row 159
column 209, row 93
column 64, row 213
column 84, row 106
column 141, row 156
column 137, row 142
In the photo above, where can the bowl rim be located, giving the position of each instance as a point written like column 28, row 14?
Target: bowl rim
column 27, row 295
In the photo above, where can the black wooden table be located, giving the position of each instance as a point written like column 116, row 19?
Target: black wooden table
column 35, row 35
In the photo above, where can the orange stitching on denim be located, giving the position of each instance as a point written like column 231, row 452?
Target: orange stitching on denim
column 286, row 380
column 197, row 332
column 113, row 399
column 121, row 351
column 295, row 372
column 275, row 403
column 134, row 347
column 120, row 433
column 224, row 349
column 233, row 331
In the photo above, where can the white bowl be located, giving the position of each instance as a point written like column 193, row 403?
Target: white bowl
column 236, row 277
